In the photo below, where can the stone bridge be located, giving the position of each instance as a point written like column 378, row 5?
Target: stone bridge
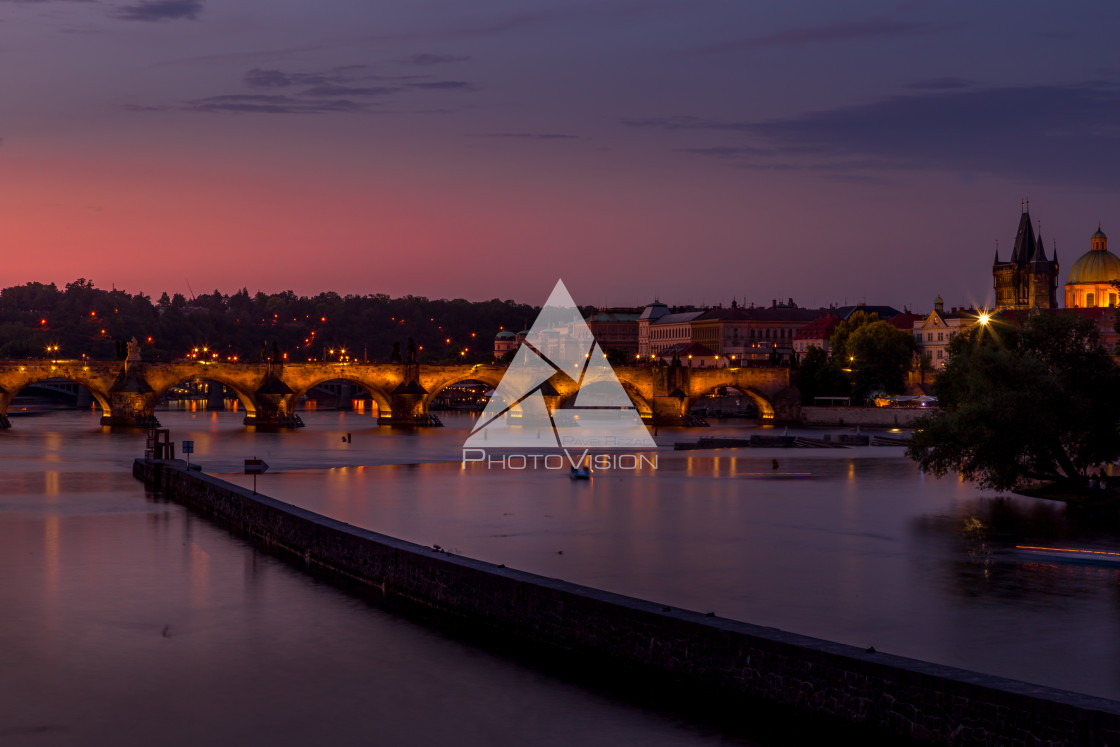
column 128, row 392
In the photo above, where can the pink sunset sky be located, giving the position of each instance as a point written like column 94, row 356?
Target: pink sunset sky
column 696, row 152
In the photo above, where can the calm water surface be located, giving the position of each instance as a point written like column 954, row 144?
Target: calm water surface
column 126, row 621
column 130, row 618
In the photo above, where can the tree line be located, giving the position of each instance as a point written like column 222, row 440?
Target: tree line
column 80, row 320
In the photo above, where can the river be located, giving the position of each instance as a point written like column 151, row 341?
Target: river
column 129, row 620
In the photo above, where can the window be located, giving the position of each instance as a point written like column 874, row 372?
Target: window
column 939, row 354
column 929, row 337
column 1089, row 299
column 1111, row 299
column 940, row 336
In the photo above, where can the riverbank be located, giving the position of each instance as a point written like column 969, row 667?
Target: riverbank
column 873, row 417
column 681, row 650
column 1081, row 497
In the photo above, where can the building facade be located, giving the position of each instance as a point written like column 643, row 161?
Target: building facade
column 933, row 333
column 616, row 329
column 740, row 333
column 1093, row 276
column 815, row 334
column 670, row 330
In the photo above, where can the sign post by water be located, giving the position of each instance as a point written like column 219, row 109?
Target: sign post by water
column 255, row 467
column 188, row 449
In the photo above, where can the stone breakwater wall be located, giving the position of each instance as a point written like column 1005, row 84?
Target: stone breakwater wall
column 688, row 651
column 883, row 417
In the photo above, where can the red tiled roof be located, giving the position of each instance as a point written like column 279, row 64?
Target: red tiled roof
column 819, row 328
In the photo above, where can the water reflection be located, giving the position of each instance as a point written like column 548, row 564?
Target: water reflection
column 126, row 619
column 853, row 545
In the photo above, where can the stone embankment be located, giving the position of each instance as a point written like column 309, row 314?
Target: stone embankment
column 748, row 667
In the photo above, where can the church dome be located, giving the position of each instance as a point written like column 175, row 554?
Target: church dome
column 505, row 334
column 1099, row 234
column 1095, row 266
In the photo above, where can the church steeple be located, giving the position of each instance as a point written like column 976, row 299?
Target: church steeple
column 1024, row 239
column 1028, row 279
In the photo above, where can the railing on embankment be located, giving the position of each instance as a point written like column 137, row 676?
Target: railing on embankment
column 687, row 650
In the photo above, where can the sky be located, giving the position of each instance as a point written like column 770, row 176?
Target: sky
column 697, row 152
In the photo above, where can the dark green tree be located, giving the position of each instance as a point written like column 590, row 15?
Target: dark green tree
column 880, row 355
column 838, row 343
column 1039, row 401
column 818, row 375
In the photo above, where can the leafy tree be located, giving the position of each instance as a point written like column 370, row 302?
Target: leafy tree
column 880, row 356
column 1036, row 402
column 818, row 375
column 838, row 343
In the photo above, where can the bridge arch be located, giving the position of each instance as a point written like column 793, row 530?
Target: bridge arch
column 384, row 405
column 484, row 376
column 95, row 387
column 765, row 407
column 237, row 387
column 645, row 410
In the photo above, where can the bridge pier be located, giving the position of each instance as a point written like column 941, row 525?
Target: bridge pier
column 667, row 411
column 84, row 398
column 787, row 405
column 345, row 396
column 407, row 408
column 215, row 396
column 407, row 402
column 132, row 402
column 131, row 409
column 275, row 405
column 669, row 403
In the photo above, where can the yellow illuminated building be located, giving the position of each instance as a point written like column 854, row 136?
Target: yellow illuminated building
column 1092, row 276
